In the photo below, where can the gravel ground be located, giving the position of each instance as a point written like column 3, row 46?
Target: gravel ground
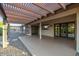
column 12, row 51
column 16, row 48
column 18, row 44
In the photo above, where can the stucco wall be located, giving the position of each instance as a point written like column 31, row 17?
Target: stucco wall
column 50, row 31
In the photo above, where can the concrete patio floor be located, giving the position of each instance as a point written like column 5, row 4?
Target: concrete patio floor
column 49, row 46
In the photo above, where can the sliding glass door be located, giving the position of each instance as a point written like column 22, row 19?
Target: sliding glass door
column 66, row 30
column 57, row 30
column 71, row 30
column 63, row 30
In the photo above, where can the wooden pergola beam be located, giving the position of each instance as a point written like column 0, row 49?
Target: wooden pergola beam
column 13, row 16
column 10, row 19
column 56, row 16
column 12, row 13
column 16, row 19
column 62, row 5
column 30, row 10
column 42, row 8
column 1, row 8
column 21, row 12
column 25, row 9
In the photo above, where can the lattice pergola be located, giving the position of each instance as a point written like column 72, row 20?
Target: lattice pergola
column 27, row 12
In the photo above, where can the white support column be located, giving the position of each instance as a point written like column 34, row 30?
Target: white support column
column 40, row 28
column 30, row 30
column 77, row 31
column 22, row 29
column 5, row 36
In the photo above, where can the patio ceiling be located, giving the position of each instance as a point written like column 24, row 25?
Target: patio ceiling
column 27, row 12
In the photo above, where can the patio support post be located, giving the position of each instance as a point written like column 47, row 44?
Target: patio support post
column 40, row 34
column 5, row 35
column 22, row 29
column 77, row 30
column 30, row 31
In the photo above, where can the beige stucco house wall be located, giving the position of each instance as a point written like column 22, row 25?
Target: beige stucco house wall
column 50, row 31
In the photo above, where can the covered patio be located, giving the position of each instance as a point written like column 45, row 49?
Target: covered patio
column 48, row 29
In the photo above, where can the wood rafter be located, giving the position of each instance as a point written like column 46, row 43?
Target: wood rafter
column 13, row 16
column 18, row 13
column 16, row 19
column 42, row 8
column 10, row 19
column 62, row 5
column 2, row 10
column 25, row 9
column 21, row 12
column 32, row 11
column 21, row 22
column 12, row 13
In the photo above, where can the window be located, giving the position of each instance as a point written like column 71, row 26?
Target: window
column 57, row 29
column 71, row 30
column 66, row 30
